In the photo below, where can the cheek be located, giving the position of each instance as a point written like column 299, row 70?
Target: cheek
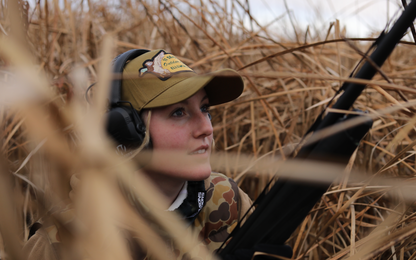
column 167, row 137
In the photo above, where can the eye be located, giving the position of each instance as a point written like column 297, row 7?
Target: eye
column 205, row 109
column 178, row 112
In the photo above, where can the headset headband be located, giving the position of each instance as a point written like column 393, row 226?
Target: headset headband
column 118, row 66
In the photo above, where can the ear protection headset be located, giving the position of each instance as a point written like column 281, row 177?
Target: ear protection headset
column 124, row 124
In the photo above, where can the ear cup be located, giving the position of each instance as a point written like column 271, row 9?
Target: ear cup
column 124, row 124
column 125, row 128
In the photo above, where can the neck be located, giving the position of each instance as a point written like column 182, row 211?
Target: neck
column 170, row 187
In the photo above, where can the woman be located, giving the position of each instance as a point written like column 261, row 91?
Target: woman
column 174, row 102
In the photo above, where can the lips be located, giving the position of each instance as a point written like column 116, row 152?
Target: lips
column 200, row 150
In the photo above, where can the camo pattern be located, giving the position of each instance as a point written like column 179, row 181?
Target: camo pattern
column 224, row 203
column 221, row 212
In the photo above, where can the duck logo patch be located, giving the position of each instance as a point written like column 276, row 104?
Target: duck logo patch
column 163, row 65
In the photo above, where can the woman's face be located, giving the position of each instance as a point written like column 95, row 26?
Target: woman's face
column 185, row 129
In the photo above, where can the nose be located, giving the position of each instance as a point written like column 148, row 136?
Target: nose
column 202, row 125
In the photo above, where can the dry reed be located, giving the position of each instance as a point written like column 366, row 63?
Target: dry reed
column 51, row 52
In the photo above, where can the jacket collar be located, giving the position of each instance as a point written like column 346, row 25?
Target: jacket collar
column 194, row 202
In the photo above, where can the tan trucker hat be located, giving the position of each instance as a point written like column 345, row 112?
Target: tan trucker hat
column 157, row 78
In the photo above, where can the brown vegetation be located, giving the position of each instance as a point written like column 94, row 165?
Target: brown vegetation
column 51, row 52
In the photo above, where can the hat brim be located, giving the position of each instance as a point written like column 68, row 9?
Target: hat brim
column 221, row 86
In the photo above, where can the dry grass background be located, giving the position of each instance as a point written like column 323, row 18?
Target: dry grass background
column 51, row 52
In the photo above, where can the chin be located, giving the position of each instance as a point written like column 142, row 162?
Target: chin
column 195, row 168
column 182, row 172
column 198, row 173
column 195, row 173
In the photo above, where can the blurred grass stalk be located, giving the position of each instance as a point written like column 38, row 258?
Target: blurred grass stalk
column 51, row 52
